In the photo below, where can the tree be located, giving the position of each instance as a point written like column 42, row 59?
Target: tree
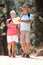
column 36, row 8
column 37, row 24
column 2, row 26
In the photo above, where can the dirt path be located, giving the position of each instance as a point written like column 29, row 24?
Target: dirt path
column 5, row 60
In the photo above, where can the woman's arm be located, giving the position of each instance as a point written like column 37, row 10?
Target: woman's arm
column 10, row 25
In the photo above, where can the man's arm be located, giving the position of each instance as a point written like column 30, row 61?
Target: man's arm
column 26, row 21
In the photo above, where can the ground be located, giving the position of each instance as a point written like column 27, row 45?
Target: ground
column 5, row 60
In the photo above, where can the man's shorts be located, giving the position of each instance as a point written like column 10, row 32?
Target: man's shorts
column 13, row 38
column 25, row 37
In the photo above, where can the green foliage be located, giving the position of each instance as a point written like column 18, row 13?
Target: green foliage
column 40, row 18
column 32, row 48
column 2, row 1
column 2, row 24
column 36, row 24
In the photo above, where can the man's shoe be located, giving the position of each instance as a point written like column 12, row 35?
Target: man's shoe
column 27, row 56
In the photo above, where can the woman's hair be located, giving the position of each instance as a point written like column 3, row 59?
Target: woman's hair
column 12, row 12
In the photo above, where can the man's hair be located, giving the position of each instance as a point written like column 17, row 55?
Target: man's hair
column 25, row 7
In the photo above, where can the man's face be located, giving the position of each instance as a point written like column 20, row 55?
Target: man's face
column 25, row 11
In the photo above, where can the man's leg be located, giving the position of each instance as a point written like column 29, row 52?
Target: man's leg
column 28, row 41
column 24, row 48
column 28, row 46
column 23, row 44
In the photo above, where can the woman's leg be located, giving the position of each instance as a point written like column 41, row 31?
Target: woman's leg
column 9, row 41
column 13, row 48
column 9, row 48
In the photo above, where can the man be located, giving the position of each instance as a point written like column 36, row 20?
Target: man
column 25, row 20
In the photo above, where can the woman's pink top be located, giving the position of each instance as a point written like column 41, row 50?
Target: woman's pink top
column 12, row 30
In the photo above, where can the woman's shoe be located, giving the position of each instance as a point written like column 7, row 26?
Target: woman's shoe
column 23, row 55
column 9, row 55
column 13, row 56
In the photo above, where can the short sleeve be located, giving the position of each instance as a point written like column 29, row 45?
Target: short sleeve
column 31, row 17
column 7, row 21
column 25, row 17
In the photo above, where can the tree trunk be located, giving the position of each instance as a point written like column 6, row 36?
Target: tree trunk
column 0, row 44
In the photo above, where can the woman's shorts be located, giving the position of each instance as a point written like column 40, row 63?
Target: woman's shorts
column 13, row 38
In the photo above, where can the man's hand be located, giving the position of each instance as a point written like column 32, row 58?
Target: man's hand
column 25, row 21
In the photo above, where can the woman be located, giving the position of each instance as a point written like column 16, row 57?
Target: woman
column 12, row 33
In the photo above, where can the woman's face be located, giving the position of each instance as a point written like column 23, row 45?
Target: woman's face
column 13, row 15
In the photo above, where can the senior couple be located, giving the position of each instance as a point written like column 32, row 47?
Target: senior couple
column 19, row 26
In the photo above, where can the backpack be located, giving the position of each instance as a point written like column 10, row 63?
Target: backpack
column 28, row 15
